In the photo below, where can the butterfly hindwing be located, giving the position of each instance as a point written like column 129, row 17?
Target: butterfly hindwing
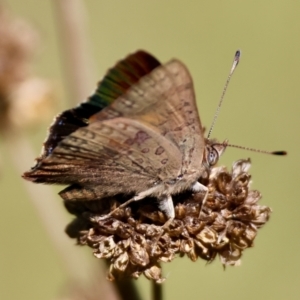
column 116, row 82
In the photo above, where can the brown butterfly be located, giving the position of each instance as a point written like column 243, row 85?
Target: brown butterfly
column 140, row 134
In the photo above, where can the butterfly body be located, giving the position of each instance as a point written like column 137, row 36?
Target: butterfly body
column 148, row 141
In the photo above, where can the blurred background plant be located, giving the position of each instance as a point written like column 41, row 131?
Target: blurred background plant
column 25, row 100
column 51, row 60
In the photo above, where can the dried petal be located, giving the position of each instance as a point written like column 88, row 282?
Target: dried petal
column 154, row 273
column 120, row 264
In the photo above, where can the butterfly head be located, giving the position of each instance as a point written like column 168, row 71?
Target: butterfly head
column 213, row 151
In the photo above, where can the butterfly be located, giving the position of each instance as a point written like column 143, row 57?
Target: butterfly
column 139, row 134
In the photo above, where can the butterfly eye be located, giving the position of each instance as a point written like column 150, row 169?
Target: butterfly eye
column 212, row 156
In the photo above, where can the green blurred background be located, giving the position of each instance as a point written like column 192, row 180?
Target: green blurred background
column 261, row 110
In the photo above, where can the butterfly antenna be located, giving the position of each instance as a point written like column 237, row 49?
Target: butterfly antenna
column 234, row 65
column 258, row 150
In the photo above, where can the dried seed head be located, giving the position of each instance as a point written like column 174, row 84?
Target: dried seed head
column 134, row 242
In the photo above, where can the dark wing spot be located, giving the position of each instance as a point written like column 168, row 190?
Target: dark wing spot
column 164, row 161
column 141, row 137
column 179, row 128
column 159, row 150
column 140, row 161
column 129, row 142
column 145, row 150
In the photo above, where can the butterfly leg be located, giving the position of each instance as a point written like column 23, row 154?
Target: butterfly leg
column 135, row 198
column 198, row 187
column 138, row 197
column 166, row 205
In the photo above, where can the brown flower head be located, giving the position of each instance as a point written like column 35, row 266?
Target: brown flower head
column 134, row 242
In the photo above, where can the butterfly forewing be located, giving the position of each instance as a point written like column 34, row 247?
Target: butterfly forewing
column 165, row 99
column 190, row 136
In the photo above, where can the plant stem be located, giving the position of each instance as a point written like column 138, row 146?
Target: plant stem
column 70, row 15
column 157, row 293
